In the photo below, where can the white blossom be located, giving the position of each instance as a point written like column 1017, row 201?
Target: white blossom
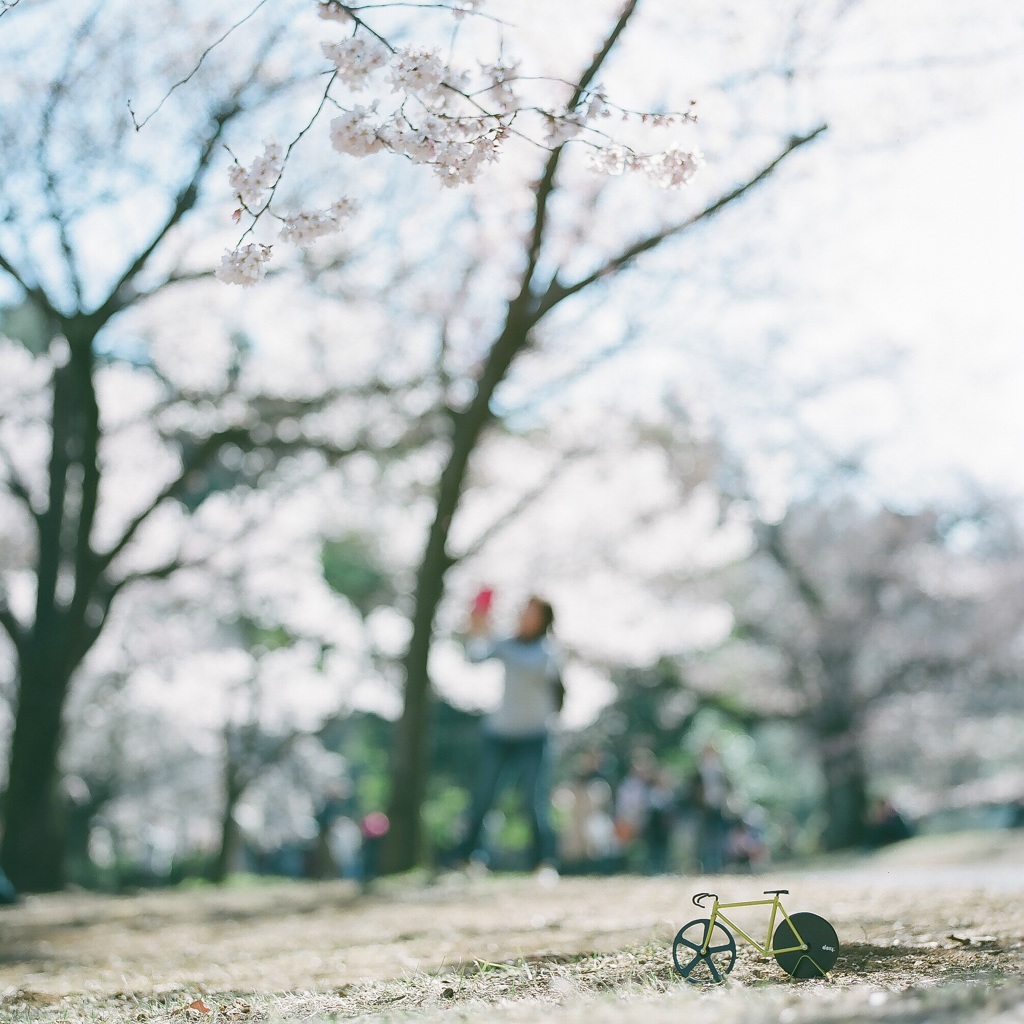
column 673, row 168
column 464, row 7
column 500, row 91
column 251, row 183
column 302, row 228
column 612, row 160
column 354, row 133
column 562, row 128
column 356, row 59
column 597, row 104
column 420, row 143
column 459, row 164
column 332, row 11
column 246, row 266
column 416, row 71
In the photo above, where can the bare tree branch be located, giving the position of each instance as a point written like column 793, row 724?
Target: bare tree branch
column 771, row 539
column 139, row 125
column 16, row 485
column 516, row 509
column 557, row 292
column 47, row 133
column 14, row 628
column 32, row 291
column 122, row 294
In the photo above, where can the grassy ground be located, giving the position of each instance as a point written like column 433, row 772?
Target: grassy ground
column 932, row 931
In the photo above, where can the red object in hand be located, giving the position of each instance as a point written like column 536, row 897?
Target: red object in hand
column 482, row 601
column 375, row 825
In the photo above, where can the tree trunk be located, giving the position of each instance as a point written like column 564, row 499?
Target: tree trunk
column 409, row 756
column 228, row 828
column 60, row 636
column 411, row 744
column 842, row 764
column 33, row 842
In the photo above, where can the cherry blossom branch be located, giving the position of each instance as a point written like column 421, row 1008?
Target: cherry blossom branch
column 455, row 132
column 419, row 432
column 198, row 457
column 772, row 542
column 547, row 182
column 110, row 591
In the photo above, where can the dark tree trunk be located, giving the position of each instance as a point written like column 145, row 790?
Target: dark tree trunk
column 845, row 792
column 409, row 757
column 33, row 843
column 411, row 745
column 840, row 749
column 410, row 752
column 228, row 828
column 65, row 626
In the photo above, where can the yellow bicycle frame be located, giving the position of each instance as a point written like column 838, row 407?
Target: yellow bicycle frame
column 767, row 949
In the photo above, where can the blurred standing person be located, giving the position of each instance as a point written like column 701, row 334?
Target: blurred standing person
column 587, row 840
column 661, row 817
column 515, row 739
column 710, row 795
column 885, row 825
column 633, row 804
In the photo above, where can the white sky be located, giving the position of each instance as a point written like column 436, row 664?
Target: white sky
column 950, row 241
column 916, row 249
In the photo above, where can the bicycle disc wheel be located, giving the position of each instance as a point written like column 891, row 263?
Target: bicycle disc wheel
column 822, row 946
column 703, row 968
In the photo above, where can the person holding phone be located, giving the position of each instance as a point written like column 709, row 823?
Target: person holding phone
column 515, row 737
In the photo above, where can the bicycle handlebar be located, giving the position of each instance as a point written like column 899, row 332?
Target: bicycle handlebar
column 698, row 900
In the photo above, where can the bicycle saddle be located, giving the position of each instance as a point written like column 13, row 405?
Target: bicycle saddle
column 776, row 892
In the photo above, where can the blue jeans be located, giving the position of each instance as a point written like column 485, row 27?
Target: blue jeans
column 524, row 761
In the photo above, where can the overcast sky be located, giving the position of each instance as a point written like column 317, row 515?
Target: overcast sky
column 896, row 241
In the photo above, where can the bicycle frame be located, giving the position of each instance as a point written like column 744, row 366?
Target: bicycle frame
column 765, row 949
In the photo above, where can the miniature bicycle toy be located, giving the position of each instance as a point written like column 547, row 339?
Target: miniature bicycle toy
column 704, row 951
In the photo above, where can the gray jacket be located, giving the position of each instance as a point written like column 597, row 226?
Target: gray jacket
column 528, row 702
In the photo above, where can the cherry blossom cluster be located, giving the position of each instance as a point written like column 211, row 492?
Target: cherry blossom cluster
column 251, row 184
column 672, row 168
column 455, row 121
column 246, row 265
column 303, row 228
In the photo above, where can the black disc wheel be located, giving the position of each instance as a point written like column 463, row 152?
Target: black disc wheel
column 817, row 935
column 698, row 965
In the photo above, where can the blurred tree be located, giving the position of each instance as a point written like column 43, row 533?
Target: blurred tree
column 843, row 606
column 138, row 406
column 542, row 281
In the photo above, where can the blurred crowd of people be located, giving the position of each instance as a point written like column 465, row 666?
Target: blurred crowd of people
column 654, row 822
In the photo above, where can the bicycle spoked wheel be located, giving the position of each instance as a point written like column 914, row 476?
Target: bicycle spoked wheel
column 697, row 967
column 822, row 946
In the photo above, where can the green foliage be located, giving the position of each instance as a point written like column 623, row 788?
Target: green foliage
column 352, row 569
column 27, row 323
column 364, row 740
column 442, row 811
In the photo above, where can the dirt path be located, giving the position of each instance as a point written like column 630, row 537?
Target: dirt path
column 941, row 924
